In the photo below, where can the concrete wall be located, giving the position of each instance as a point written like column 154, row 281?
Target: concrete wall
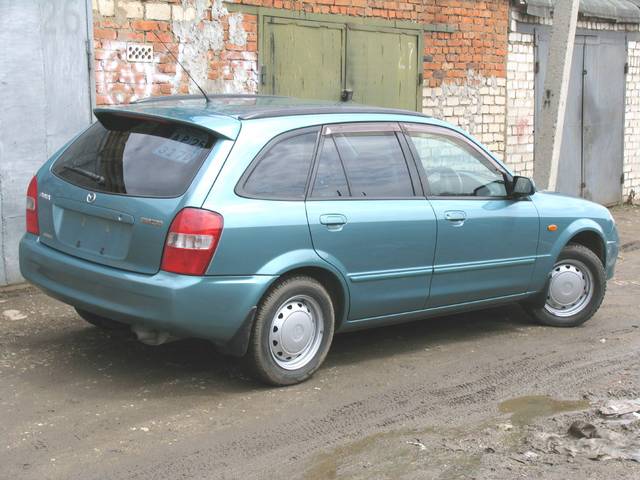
column 45, row 98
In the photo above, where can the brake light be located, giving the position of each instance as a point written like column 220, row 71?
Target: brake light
column 191, row 242
column 32, row 207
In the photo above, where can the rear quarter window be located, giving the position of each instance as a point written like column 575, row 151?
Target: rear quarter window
column 281, row 171
column 135, row 157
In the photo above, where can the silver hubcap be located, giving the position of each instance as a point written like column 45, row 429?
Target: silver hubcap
column 570, row 289
column 296, row 332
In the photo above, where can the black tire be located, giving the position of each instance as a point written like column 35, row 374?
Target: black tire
column 591, row 261
column 101, row 322
column 259, row 357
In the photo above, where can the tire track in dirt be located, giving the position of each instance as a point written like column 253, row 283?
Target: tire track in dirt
column 252, row 452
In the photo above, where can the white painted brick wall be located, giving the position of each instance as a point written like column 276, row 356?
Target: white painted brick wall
column 157, row 11
column 132, row 9
column 477, row 105
column 632, row 124
column 106, row 7
column 520, row 103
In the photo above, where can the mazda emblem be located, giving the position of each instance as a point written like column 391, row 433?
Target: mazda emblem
column 91, row 197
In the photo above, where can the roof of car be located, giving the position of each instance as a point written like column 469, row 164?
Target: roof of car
column 246, row 107
column 224, row 113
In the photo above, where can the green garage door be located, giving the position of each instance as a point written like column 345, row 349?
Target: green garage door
column 320, row 60
column 382, row 68
column 304, row 59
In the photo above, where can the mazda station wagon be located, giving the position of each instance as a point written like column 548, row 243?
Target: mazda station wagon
column 268, row 224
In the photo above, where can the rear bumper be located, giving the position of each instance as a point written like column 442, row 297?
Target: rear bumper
column 216, row 308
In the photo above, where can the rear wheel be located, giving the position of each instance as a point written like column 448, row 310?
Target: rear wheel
column 576, row 289
column 101, row 322
column 292, row 332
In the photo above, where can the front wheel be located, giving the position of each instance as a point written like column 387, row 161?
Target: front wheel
column 292, row 332
column 576, row 289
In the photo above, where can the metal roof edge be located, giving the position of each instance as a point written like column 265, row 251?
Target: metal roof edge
column 619, row 11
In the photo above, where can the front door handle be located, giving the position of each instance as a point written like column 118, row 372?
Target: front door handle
column 455, row 216
column 333, row 221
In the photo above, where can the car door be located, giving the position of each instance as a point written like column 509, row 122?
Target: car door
column 487, row 241
column 369, row 218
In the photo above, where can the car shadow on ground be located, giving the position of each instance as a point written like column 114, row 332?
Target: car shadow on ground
column 427, row 333
column 84, row 353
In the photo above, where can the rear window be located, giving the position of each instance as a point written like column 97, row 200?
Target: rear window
column 136, row 157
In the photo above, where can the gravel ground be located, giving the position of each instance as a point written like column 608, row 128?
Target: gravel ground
column 481, row 395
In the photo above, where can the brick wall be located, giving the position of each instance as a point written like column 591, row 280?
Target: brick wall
column 520, row 103
column 476, row 103
column 632, row 125
column 220, row 50
column 465, row 71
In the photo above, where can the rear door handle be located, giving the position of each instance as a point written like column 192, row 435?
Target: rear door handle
column 455, row 216
column 333, row 221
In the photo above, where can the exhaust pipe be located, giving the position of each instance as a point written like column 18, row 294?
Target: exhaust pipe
column 152, row 337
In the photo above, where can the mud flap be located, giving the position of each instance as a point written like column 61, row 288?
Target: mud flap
column 239, row 344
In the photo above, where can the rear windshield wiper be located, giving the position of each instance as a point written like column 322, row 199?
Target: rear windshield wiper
column 99, row 179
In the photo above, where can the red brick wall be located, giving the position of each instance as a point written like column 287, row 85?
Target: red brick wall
column 478, row 43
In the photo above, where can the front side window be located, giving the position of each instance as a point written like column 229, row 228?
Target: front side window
column 281, row 173
column 454, row 168
column 373, row 163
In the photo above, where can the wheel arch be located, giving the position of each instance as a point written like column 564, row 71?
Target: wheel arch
column 584, row 231
column 592, row 240
column 332, row 281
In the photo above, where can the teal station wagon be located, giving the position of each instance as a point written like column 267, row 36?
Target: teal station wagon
column 267, row 224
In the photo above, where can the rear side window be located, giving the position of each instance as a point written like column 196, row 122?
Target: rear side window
column 374, row 164
column 331, row 180
column 136, row 157
column 281, row 172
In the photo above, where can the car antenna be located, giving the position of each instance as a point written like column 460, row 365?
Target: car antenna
column 206, row 97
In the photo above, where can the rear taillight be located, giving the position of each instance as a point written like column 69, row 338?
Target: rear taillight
column 191, row 242
column 32, row 207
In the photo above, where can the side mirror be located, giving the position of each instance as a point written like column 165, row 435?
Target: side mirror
column 522, row 187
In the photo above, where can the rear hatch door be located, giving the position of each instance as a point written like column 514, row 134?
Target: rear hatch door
column 111, row 195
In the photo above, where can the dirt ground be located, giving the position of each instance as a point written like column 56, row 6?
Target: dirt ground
column 467, row 396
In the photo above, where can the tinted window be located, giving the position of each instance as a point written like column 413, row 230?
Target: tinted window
column 330, row 179
column 375, row 165
column 283, row 170
column 135, row 157
column 454, row 168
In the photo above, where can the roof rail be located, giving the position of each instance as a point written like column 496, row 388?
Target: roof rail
column 166, row 98
column 318, row 110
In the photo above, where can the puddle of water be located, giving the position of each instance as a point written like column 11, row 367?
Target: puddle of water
column 524, row 410
column 327, row 464
column 395, row 454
